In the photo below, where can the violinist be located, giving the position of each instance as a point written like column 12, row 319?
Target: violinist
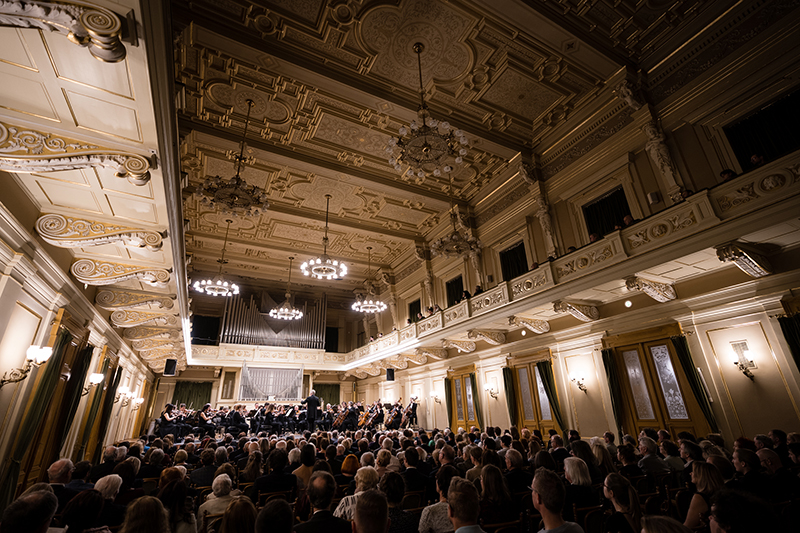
column 351, row 422
column 379, row 415
column 395, row 415
column 239, row 422
column 206, row 417
column 327, row 418
column 183, row 416
column 168, row 418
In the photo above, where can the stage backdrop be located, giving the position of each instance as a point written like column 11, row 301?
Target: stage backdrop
column 271, row 384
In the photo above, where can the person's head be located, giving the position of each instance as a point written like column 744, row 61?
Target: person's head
column 366, row 478
column 463, row 505
column 647, row 446
column 691, row 451
column 226, row 468
column 739, row 512
column 443, row 478
column 60, row 471
column 745, row 460
column 493, row 487
column 207, row 457
column 670, row 448
column 384, row 458
column 108, row 486
column 30, row 513
column 308, row 455
column 145, row 514
column 447, row 455
column 83, row 510
column 173, row 497
column 727, row 174
column 576, row 471
column 618, row 489
column 794, row 452
column 350, row 465
column 368, row 458
column 394, row 487
column 769, row 459
column 581, row 448
column 220, row 455
column 372, row 513
column 608, row 437
column 513, row 459
column 411, row 456
column 278, row 460
column 744, row 442
column 110, row 453
column 548, row 491
column 222, row 485
column 778, row 436
column 626, row 454
column 169, row 475
column 544, row 460
column 763, row 441
column 82, row 470
column 707, row 477
column 556, row 441
column 239, row 516
column 662, row 524
column 275, row 517
column 321, row 489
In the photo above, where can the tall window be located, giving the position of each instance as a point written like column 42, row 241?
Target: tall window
column 414, row 308
column 513, row 261
column 603, row 213
column 454, row 288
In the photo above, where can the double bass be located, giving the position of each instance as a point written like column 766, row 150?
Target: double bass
column 340, row 418
column 406, row 414
column 396, row 412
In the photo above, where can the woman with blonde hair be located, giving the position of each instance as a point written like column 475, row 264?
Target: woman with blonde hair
column 604, row 460
column 145, row 514
column 708, row 481
column 579, row 492
column 383, row 461
column 366, row 478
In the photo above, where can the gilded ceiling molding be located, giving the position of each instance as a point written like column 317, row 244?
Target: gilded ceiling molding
column 83, row 23
column 149, row 344
column 126, row 318
column 584, row 313
column 433, row 353
column 461, row 346
column 492, row 337
column 660, row 292
column 68, row 232
column 535, row 325
column 747, row 258
column 93, row 272
column 113, row 299
column 26, row 150
column 145, row 332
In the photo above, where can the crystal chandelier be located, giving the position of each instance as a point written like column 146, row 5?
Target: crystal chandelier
column 456, row 244
column 427, row 143
column 368, row 303
column 323, row 267
column 234, row 196
column 218, row 286
column 286, row 311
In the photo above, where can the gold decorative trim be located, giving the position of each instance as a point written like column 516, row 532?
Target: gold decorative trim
column 93, row 272
column 68, row 232
column 112, row 300
column 125, row 318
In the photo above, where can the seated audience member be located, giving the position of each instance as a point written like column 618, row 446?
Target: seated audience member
column 435, row 518
column 749, row 477
column 275, row 517
column 393, row 487
column 608, row 437
column 383, row 460
column 80, row 477
column 320, row 492
column 548, row 499
column 350, row 466
column 108, row 464
column 582, row 450
column 672, row 455
column 308, row 456
column 371, row 513
column 146, row 514
column 82, row 513
column 252, row 469
column 518, row 480
column 204, row 475
column 153, row 467
column 175, row 499
column 708, row 481
column 630, row 467
column 496, row 505
column 662, row 524
column 239, row 517
column 690, row 452
column 651, row 463
column 30, row 513
column 414, row 479
column 59, row 474
column 605, row 463
column 127, row 492
column 779, row 441
column 543, row 459
column 727, row 175
column 784, row 484
column 740, row 512
column 474, row 458
column 366, row 479
column 277, row 480
column 221, row 487
column 627, row 514
column 578, row 488
column 112, row 514
column 462, row 506
column 724, row 465
column 558, row 451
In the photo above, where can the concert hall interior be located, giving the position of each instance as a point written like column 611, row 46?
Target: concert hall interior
column 556, row 214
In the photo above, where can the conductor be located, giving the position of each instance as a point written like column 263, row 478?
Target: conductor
column 312, row 403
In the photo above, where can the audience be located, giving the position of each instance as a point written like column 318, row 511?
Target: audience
column 239, row 517
column 30, row 513
column 435, row 517
column 371, row 513
column 82, row 513
column 627, row 514
column 578, row 488
column 275, row 517
column 708, row 480
column 462, row 506
column 548, row 499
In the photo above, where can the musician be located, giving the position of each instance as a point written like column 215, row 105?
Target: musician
column 395, row 416
column 327, row 418
column 183, row 416
column 379, row 415
column 411, row 413
column 168, row 418
column 238, row 420
column 206, row 420
column 351, row 422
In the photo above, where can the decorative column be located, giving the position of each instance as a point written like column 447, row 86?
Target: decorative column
column 531, row 174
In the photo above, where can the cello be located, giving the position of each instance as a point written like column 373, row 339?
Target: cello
column 339, row 418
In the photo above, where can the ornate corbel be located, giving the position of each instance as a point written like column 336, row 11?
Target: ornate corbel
column 149, row 344
column 145, row 332
column 584, row 313
column 628, row 93
column 68, row 232
column 461, row 346
column 150, row 355
column 399, row 362
column 660, row 292
column 535, row 325
column 84, row 24
column 113, row 299
column 26, row 150
column 419, row 358
column 126, row 318
column 747, row 258
column 492, row 337
column 433, row 353
column 93, row 272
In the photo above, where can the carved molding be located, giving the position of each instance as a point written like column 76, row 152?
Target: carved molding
column 461, row 346
column 126, row 318
column 584, row 313
column 399, row 362
column 27, row 150
column 419, row 358
column 149, row 344
column 433, row 353
column 112, row 299
column 68, row 232
column 145, row 332
column 535, row 325
column 84, row 24
column 492, row 337
column 748, row 258
column 660, row 292
column 92, row 272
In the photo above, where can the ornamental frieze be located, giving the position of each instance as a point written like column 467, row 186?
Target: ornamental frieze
column 126, row 318
column 26, row 150
column 529, row 283
column 582, row 261
column 92, row 272
column 113, row 299
column 492, row 337
column 433, row 353
column 535, row 325
column 430, row 324
column 144, row 332
column 69, row 232
column 420, row 358
column 584, row 313
column 149, row 344
column 487, row 300
column 660, row 292
column 461, row 346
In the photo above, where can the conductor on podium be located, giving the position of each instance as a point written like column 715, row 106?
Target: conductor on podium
column 312, row 403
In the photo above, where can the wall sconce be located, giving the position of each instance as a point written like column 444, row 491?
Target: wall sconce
column 488, row 388
column 579, row 382
column 137, row 403
column 124, row 394
column 94, row 380
column 435, row 397
column 743, row 363
column 34, row 357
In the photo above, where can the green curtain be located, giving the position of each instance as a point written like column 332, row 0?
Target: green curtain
column 105, row 417
column 689, row 368
column 476, row 401
column 327, row 392
column 511, row 394
column 790, row 325
column 72, row 396
column 549, row 382
column 614, row 388
column 448, row 400
column 97, row 396
column 37, row 409
column 195, row 394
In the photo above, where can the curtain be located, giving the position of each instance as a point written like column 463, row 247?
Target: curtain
column 37, row 410
column 603, row 213
column 513, row 261
column 790, row 325
column 689, row 368
column 614, row 388
column 194, row 394
column 97, row 397
column 454, row 289
column 108, row 406
column 549, row 382
column 448, row 400
column 476, row 400
column 511, row 394
column 72, row 396
column 327, row 392
column 261, row 383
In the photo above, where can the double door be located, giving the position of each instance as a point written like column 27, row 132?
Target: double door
column 533, row 407
column 464, row 408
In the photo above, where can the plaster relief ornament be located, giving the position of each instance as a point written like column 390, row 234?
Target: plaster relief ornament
column 433, row 353
column 658, row 151
column 26, row 150
column 626, row 92
column 584, row 313
column 125, row 318
column 68, row 232
column 748, row 258
column 532, row 324
column 461, row 346
column 144, row 332
column 91, row 272
column 660, row 292
column 113, row 299
column 492, row 337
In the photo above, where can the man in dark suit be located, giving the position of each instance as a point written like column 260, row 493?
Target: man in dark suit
column 277, row 480
column 414, row 479
column 204, row 476
column 321, row 488
column 59, row 474
column 107, row 466
column 517, row 479
column 312, row 403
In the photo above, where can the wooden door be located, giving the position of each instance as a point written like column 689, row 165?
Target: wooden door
column 464, row 404
column 639, row 390
column 533, row 408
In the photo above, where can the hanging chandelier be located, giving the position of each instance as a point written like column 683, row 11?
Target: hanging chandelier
column 218, row 286
column 234, row 196
column 455, row 244
column 286, row 311
column 368, row 303
column 426, row 144
column 323, row 267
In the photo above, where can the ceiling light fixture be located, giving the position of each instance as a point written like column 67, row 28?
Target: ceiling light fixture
column 426, row 144
column 286, row 311
column 368, row 303
column 219, row 286
column 455, row 244
column 234, row 196
column 323, row 267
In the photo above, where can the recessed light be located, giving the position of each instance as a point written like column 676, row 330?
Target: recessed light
column 524, row 332
column 628, row 303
